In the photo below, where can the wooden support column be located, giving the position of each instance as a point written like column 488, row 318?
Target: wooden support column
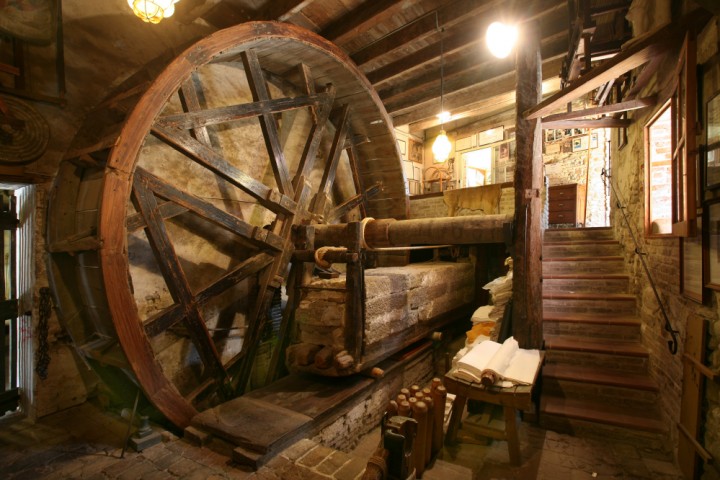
column 527, row 241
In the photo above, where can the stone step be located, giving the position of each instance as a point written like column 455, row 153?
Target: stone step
column 589, row 303
column 629, row 356
column 580, row 234
column 583, row 265
column 601, row 326
column 571, row 283
column 603, row 248
column 591, row 383
column 640, row 419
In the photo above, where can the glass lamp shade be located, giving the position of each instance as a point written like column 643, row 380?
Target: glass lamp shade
column 441, row 147
column 501, row 39
column 153, row 11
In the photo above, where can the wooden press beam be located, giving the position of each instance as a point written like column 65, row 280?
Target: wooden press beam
column 635, row 104
column 527, row 277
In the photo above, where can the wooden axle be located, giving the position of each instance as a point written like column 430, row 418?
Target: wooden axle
column 422, row 231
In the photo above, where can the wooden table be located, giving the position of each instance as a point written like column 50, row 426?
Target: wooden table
column 511, row 399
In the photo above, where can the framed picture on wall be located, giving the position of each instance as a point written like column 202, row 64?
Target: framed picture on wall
column 712, row 143
column 402, row 146
column 691, row 266
column 711, row 229
column 580, row 143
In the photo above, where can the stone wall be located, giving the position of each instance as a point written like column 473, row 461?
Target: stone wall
column 663, row 260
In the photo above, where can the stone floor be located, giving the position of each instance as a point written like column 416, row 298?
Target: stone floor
column 62, row 447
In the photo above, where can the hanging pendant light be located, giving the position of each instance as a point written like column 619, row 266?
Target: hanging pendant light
column 153, row 11
column 441, row 146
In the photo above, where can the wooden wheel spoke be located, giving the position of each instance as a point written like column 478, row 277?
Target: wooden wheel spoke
column 258, row 87
column 307, row 161
column 255, row 235
column 190, row 97
column 332, row 164
column 175, row 278
column 166, row 210
column 267, row 197
column 201, row 118
column 173, row 314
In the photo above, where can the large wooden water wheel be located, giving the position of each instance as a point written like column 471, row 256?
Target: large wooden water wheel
column 171, row 220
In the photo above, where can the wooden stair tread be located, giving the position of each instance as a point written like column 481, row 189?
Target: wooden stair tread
column 608, row 258
column 613, row 378
column 610, row 297
column 596, row 319
column 620, row 416
column 584, row 344
column 586, row 276
column 580, row 242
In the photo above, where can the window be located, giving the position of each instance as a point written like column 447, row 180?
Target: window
column 670, row 189
column 478, row 167
column 658, row 173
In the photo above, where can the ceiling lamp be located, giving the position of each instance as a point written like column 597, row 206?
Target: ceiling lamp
column 153, row 10
column 441, row 146
column 500, row 39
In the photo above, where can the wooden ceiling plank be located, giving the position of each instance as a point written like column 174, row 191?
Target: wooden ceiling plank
column 361, row 19
column 604, row 110
column 446, row 17
column 282, row 10
column 634, row 56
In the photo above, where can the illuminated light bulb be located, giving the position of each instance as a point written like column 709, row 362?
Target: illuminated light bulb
column 501, row 39
column 153, row 11
column 441, row 147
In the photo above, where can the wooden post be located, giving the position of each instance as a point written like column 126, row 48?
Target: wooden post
column 527, row 287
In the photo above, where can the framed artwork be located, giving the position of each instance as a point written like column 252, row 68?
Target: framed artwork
column 711, row 227
column 691, row 266
column 402, row 146
column 466, row 143
column 580, row 143
column 416, row 151
column 490, row 136
column 712, row 143
column 594, row 140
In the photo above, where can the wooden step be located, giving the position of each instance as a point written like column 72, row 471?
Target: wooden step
column 580, row 234
column 592, row 265
column 599, row 376
column 625, row 320
column 609, row 283
column 589, row 303
column 600, row 326
column 581, row 249
column 602, row 413
column 605, row 347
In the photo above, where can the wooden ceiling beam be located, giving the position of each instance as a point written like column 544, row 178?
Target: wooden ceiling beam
column 282, row 10
column 466, row 35
column 634, row 56
column 459, row 76
column 425, row 26
column 361, row 19
column 482, row 97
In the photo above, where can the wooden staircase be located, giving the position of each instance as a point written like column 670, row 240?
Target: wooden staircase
column 595, row 377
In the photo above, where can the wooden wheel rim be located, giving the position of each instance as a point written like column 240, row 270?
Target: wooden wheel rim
column 120, row 171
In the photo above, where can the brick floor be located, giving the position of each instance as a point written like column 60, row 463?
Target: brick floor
column 57, row 447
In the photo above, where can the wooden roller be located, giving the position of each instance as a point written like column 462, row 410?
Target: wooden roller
column 420, row 414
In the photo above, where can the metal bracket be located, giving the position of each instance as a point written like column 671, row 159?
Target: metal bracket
column 531, row 193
